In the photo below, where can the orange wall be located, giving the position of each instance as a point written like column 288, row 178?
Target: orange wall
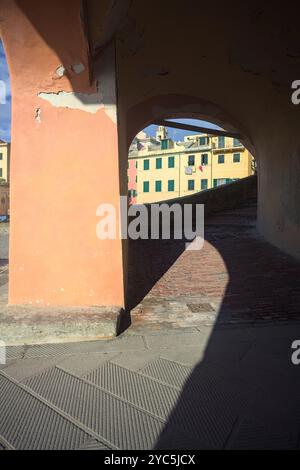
column 64, row 163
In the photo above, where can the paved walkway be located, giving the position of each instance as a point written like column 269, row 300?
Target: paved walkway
column 206, row 363
column 236, row 278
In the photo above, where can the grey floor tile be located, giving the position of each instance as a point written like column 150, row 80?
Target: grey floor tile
column 137, row 389
column 117, row 344
column 81, row 364
column 135, row 361
column 168, row 372
column 251, row 435
column 113, row 420
column 172, row 341
column 26, row 423
column 93, row 444
column 24, row 368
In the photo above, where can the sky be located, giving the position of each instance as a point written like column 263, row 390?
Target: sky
column 178, row 134
column 5, row 98
column 5, row 109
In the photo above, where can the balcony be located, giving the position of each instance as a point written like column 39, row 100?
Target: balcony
column 227, row 148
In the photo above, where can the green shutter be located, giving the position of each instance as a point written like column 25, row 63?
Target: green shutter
column 157, row 186
column 191, row 185
column 171, row 185
column 164, row 144
column 204, row 159
column 158, row 163
column 204, row 184
column 171, row 162
column 191, row 160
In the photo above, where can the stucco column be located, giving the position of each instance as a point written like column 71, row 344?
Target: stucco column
column 64, row 160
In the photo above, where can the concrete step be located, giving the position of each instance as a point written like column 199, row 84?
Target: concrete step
column 45, row 325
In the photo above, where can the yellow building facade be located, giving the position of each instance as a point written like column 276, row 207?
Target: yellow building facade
column 4, row 161
column 169, row 170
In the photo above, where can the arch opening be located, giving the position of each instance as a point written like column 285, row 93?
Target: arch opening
column 167, row 164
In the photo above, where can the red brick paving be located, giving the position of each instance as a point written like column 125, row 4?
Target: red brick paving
column 243, row 276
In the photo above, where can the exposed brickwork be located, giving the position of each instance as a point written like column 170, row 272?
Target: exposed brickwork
column 241, row 276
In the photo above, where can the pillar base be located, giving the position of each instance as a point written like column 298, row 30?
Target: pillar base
column 21, row 325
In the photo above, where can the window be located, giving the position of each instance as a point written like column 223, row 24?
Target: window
column 221, row 158
column 221, row 142
column 171, row 185
column 221, row 181
column 132, row 193
column 236, row 143
column 202, row 141
column 146, row 186
column 164, row 144
column 158, row 163
column 204, row 159
column 1, row 172
column 236, row 158
column 171, row 162
column 136, row 179
column 136, row 164
column 191, row 185
column 146, row 164
column 191, row 160
column 204, row 184
column 158, row 186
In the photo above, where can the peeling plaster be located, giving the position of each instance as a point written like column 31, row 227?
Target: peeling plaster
column 60, row 71
column 90, row 103
column 104, row 98
column 38, row 115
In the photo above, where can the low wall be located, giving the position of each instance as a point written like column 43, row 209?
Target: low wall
column 228, row 196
